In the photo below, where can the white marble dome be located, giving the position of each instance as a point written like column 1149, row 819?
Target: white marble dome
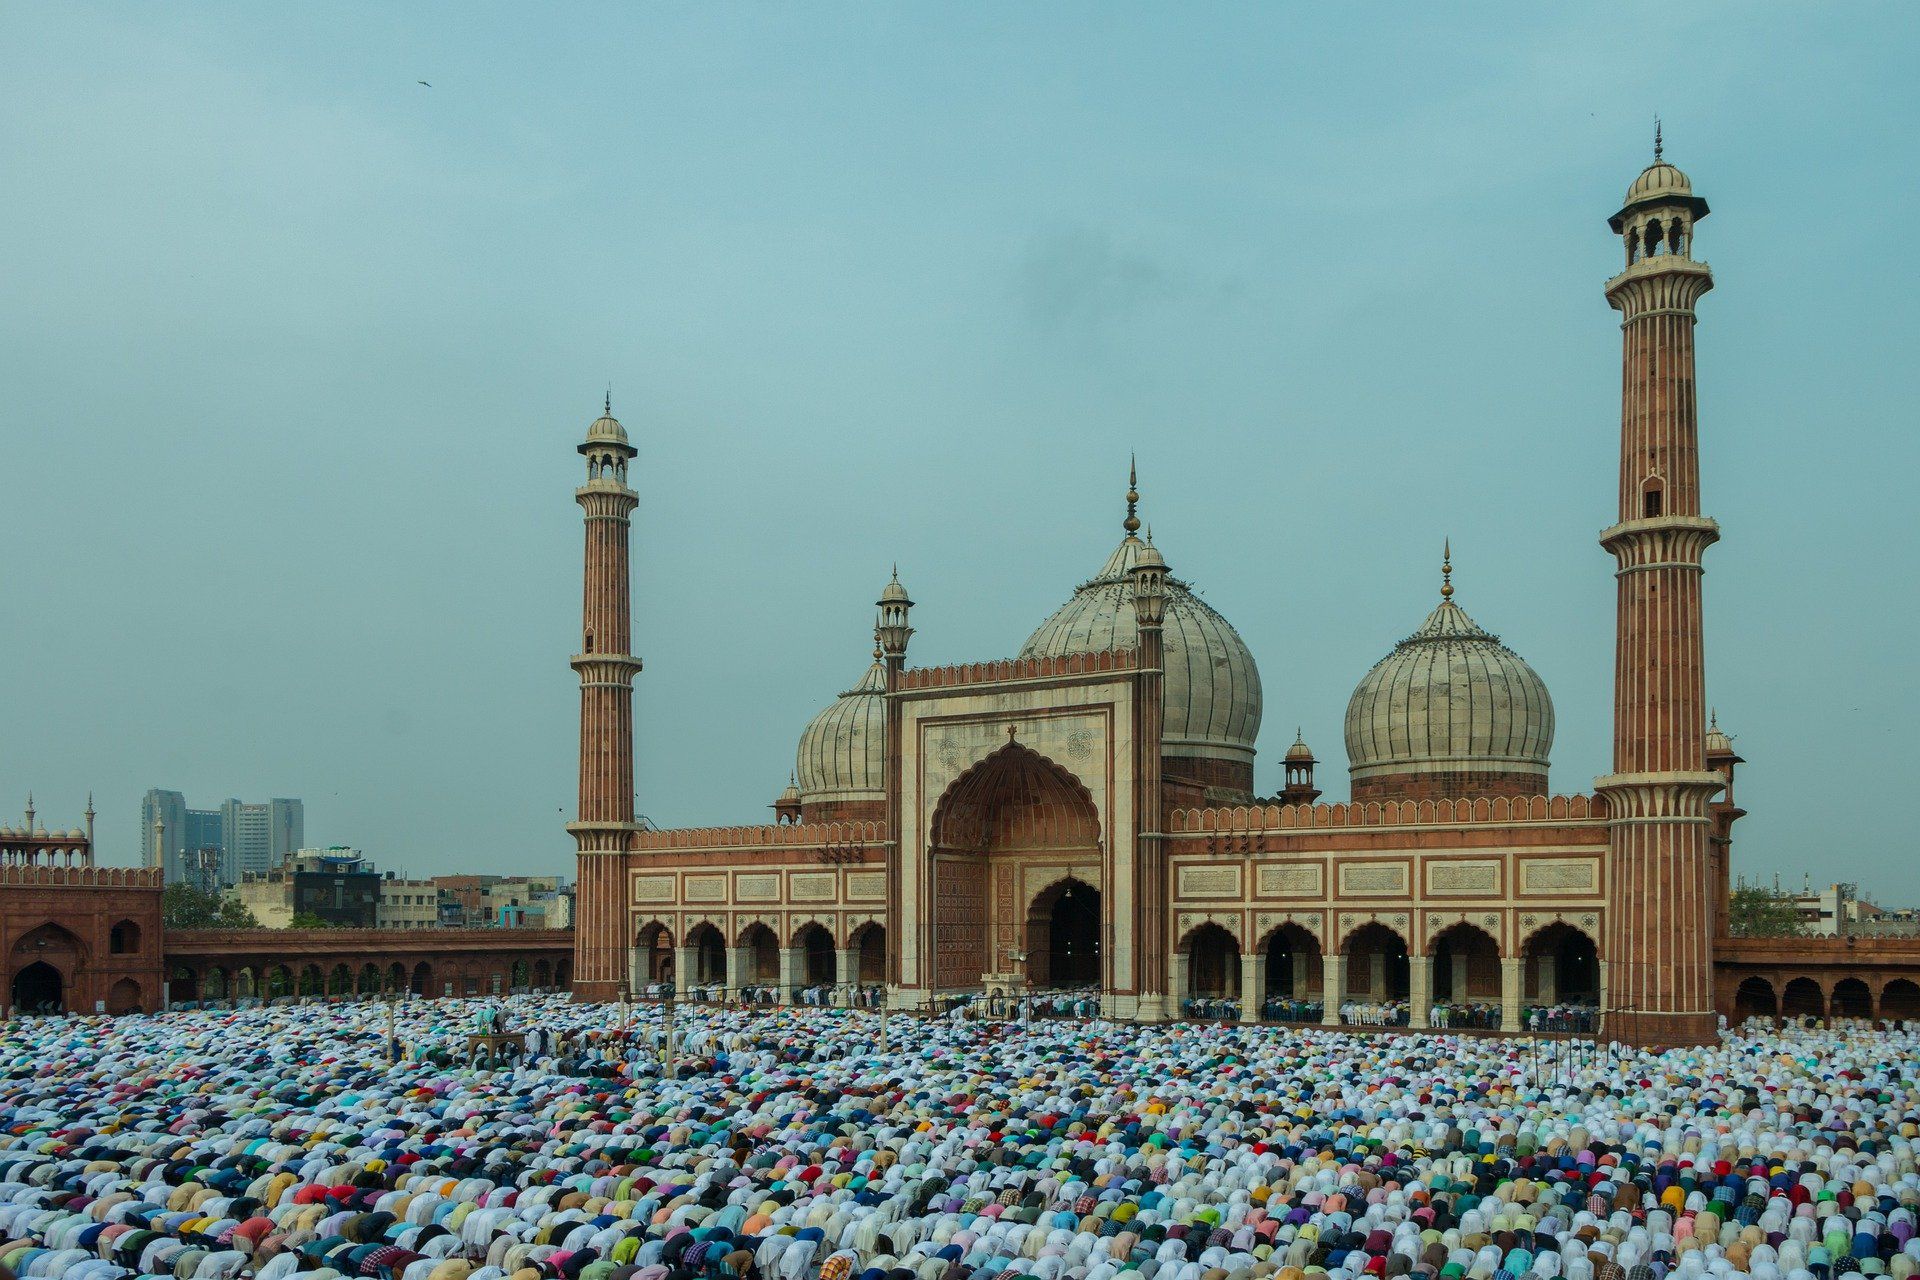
column 843, row 752
column 1212, row 684
column 1450, row 698
column 1658, row 180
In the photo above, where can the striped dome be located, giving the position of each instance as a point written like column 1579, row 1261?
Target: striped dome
column 1212, row 685
column 1450, row 698
column 843, row 752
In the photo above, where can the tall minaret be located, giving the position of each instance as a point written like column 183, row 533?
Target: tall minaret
column 1152, row 922
column 605, row 824
column 1659, row 943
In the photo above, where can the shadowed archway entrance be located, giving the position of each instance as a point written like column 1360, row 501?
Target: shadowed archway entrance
column 1010, row 824
column 1063, row 937
column 41, row 961
column 38, row 988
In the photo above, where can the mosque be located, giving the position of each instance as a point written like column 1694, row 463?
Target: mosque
column 1083, row 814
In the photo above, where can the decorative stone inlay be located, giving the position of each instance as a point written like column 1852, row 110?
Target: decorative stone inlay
column 867, row 886
column 1560, row 875
column 653, row 889
column 1370, row 878
column 1461, row 877
column 1187, row 921
column 706, row 889
column 761, row 887
column 813, row 886
column 1290, row 881
column 1209, row 882
column 1265, row 922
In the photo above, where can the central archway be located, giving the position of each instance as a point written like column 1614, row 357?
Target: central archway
column 1015, row 818
column 1063, row 936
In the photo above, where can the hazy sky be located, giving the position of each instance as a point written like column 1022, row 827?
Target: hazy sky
column 296, row 352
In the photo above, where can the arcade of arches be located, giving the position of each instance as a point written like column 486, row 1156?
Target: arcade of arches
column 706, row 966
column 1824, row 998
column 1462, row 965
column 221, row 966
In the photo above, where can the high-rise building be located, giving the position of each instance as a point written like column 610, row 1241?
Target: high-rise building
column 259, row 837
column 169, row 809
column 243, row 837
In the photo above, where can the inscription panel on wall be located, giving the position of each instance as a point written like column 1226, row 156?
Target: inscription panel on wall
column 653, row 889
column 1209, row 882
column 867, row 886
column 1382, row 878
column 813, row 886
column 1560, row 875
column 1478, row 876
column 759, row 887
column 1290, row 882
column 706, row 888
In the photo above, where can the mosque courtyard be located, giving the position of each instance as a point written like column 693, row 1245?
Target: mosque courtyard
column 281, row 1140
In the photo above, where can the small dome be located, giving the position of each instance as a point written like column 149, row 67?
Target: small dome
column 1212, row 685
column 1718, row 742
column 1450, row 698
column 606, row 430
column 76, row 834
column 843, row 751
column 894, row 592
column 791, row 793
column 1300, row 752
column 1656, row 181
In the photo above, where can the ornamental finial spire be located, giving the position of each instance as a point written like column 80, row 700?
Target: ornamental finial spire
column 1132, row 523
column 1446, row 570
column 607, row 404
column 1657, row 147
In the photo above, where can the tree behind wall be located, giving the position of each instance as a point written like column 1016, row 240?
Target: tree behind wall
column 1758, row 912
column 182, row 906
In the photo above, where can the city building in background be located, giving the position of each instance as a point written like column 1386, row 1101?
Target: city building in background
column 342, row 887
column 1838, row 910
column 212, row 848
column 407, row 904
column 259, row 837
column 338, row 886
column 504, row 902
column 191, row 845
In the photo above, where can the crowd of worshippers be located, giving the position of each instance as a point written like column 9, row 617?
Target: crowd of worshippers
column 819, row 994
column 787, row 1144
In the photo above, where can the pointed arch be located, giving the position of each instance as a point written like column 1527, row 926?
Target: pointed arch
column 1013, row 800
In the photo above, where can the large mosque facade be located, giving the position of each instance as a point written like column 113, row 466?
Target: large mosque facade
column 1083, row 815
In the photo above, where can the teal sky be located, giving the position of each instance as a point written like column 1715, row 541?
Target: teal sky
column 296, row 351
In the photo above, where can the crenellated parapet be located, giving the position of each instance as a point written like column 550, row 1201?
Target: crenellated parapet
column 1387, row 813
column 784, row 837
column 1006, row 670
column 81, row 877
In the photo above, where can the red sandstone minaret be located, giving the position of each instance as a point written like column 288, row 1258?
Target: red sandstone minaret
column 606, row 668
column 1659, row 945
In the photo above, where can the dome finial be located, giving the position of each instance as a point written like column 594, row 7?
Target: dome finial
column 1132, row 523
column 1657, row 147
column 1446, row 569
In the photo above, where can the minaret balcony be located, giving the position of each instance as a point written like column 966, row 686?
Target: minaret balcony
column 1658, row 542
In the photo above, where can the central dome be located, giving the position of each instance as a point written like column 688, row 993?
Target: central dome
column 1212, row 685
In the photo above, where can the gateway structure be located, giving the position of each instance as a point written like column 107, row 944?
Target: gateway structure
column 1083, row 814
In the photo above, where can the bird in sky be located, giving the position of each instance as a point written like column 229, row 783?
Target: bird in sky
column 423, row 82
